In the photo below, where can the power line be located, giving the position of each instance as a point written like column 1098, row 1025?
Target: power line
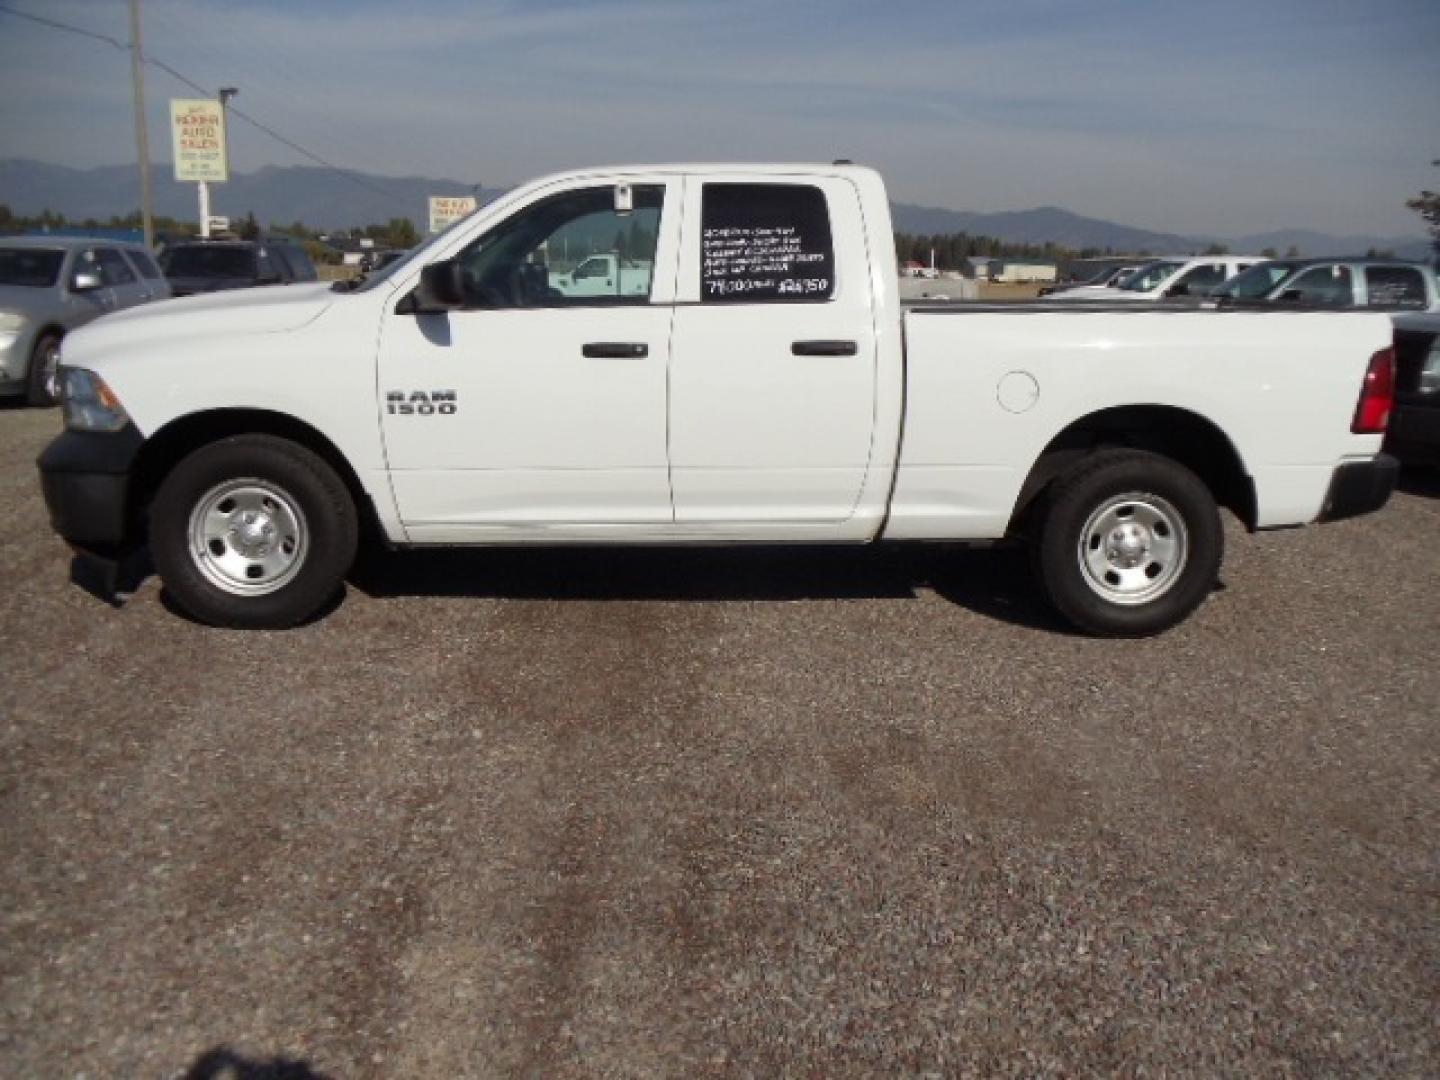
column 156, row 62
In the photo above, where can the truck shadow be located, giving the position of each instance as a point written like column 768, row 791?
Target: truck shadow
column 1415, row 480
column 993, row 583
column 224, row 1064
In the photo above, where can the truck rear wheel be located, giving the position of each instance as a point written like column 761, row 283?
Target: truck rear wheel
column 1129, row 544
column 253, row 532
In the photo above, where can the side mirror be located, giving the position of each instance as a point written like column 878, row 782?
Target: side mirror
column 272, row 278
column 85, row 281
column 1293, row 295
column 1178, row 290
column 441, row 288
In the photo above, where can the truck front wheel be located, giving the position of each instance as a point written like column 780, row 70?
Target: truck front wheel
column 253, row 532
column 40, row 388
column 1129, row 543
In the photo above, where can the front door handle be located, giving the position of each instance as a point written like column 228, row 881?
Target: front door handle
column 615, row 350
column 823, row 348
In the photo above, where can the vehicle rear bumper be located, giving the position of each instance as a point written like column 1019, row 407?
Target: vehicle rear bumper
column 85, row 476
column 1360, row 487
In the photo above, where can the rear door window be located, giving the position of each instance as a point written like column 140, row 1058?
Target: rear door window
column 1321, row 285
column 144, row 263
column 1199, row 280
column 1394, row 286
column 765, row 243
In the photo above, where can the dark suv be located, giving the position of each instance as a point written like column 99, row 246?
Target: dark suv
column 1414, row 434
column 196, row 266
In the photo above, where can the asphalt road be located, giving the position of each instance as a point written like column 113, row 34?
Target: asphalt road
column 748, row 813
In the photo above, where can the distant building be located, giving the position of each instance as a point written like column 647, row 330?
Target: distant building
column 1015, row 271
column 1011, row 270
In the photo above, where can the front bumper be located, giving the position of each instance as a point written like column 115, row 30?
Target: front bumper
column 1360, row 487
column 85, row 476
column 15, row 347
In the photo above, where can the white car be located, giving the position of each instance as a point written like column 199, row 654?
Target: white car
column 767, row 388
column 1168, row 278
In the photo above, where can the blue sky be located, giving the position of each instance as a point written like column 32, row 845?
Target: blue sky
column 1223, row 117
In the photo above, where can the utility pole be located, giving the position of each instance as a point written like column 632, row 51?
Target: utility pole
column 226, row 93
column 142, row 135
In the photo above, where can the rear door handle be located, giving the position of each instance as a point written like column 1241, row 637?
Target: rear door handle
column 823, row 348
column 615, row 350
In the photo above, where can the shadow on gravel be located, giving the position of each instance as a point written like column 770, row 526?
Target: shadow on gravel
column 111, row 581
column 1415, row 480
column 994, row 583
column 223, row 1064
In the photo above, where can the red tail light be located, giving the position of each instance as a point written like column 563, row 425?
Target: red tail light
column 1377, row 395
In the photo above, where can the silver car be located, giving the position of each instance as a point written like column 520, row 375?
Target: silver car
column 1364, row 282
column 49, row 285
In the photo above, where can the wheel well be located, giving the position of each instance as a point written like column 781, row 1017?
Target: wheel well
column 1178, row 434
column 165, row 449
column 53, row 329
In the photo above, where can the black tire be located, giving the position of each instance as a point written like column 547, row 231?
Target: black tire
column 38, row 377
column 1129, row 543
column 314, row 504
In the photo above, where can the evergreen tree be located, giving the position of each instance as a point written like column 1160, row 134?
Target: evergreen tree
column 1427, row 205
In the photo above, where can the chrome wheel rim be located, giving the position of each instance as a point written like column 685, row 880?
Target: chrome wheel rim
column 248, row 537
column 1133, row 548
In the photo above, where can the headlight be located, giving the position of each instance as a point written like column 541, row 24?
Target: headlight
column 11, row 323
column 89, row 404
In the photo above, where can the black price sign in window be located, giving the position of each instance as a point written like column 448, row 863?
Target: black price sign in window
column 765, row 243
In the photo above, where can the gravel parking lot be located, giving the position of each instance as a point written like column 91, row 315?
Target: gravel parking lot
column 812, row 812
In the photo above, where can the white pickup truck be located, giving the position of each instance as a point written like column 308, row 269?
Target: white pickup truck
column 605, row 274
column 768, row 388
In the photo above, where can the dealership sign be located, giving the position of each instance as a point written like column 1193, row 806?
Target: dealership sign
column 197, row 131
column 445, row 210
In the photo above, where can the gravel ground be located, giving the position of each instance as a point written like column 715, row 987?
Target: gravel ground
column 745, row 813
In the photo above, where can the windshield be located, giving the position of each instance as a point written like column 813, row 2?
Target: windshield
column 210, row 262
column 36, row 268
column 1105, row 276
column 1150, row 277
column 1257, row 282
column 389, row 270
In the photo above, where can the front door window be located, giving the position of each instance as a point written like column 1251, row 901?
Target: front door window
column 571, row 249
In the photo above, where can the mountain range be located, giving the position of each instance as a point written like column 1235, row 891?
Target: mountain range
column 280, row 195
